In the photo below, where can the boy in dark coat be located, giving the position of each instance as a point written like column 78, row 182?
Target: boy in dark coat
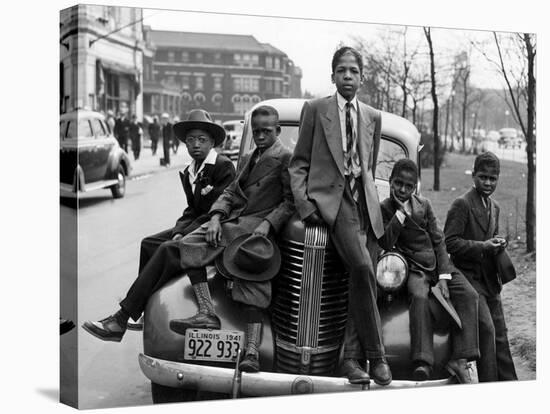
column 471, row 231
column 411, row 229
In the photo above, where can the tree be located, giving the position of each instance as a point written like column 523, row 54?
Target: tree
column 435, row 120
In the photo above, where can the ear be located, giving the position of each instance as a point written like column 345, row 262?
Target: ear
column 332, row 78
column 278, row 130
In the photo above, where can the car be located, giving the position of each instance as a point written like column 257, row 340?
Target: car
column 509, row 138
column 90, row 156
column 304, row 327
column 233, row 132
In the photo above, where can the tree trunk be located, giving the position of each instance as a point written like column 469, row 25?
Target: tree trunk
column 530, row 213
column 446, row 123
column 435, row 120
column 464, row 109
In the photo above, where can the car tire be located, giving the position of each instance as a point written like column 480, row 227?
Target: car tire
column 162, row 394
column 118, row 190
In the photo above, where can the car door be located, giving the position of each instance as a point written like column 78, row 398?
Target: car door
column 68, row 150
column 103, row 145
column 87, row 150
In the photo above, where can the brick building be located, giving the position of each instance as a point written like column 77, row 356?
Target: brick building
column 223, row 73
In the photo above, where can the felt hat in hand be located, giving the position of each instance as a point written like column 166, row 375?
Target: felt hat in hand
column 251, row 257
column 199, row 119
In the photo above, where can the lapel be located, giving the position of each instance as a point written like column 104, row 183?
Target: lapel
column 184, row 177
column 331, row 126
column 417, row 214
column 478, row 209
column 267, row 161
column 365, row 132
column 492, row 219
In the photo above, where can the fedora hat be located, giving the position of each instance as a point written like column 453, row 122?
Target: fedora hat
column 199, row 119
column 251, row 257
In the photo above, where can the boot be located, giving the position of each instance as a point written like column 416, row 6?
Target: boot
column 205, row 318
column 112, row 328
column 251, row 361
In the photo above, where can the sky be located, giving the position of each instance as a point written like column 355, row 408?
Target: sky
column 310, row 43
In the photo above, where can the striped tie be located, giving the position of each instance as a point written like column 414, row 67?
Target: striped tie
column 352, row 158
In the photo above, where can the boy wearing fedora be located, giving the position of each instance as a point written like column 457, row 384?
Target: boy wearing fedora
column 471, row 234
column 203, row 181
column 410, row 227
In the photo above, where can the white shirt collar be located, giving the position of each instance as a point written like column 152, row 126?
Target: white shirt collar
column 342, row 102
column 210, row 159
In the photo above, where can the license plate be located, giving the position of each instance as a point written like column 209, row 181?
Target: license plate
column 212, row 345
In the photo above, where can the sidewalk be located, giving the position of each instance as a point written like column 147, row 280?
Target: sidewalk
column 149, row 164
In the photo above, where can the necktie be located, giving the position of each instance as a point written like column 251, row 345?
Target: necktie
column 352, row 159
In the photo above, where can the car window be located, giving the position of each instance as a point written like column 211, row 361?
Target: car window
column 388, row 154
column 71, row 130
column 84, row 129
column 98, row 127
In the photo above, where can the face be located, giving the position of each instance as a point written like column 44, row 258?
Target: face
column 347, row 76
column 485, row 180
column 199, row 143
column 265, row 131
column 403, row 185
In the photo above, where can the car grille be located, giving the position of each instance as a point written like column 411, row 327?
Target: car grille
column 310, row 305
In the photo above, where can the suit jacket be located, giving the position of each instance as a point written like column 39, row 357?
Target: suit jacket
column 317, row 166
column 262, row 193
column 467, row 226
column 419, row 238
column 219, row 176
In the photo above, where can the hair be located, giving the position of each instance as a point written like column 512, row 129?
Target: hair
column 341, row 52
column 265, row 110
column 486, row 159
column 404, row 164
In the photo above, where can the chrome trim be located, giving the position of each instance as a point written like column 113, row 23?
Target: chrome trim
column 260, row 384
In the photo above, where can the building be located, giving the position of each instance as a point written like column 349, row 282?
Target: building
column 101, row 59
column 223, row 73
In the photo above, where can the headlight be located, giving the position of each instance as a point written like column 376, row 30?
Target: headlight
column 391, row 272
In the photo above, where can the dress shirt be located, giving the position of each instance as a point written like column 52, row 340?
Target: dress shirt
column 210, row 159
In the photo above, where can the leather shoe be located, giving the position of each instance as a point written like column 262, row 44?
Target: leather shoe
column 380, row 371
column 198, row 321
column 136, row 326
column 422, row 372
column 108, row 329
column 459, row 368
column 250, row 363
column 356, row 375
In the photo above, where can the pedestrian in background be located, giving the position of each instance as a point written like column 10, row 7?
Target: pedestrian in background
column 166, row 138
column 122, row 130
column 175, row 142
column 111, row 120
column 154, row 134
column 135, row 136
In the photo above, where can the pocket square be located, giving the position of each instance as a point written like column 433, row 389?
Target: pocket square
column 207, row 189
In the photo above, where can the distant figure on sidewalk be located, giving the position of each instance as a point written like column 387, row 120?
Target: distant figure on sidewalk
column 135, row 135
column 175, row 142
column 166, row 138
column 154, row 134
column 122, row 130
column 110, row 119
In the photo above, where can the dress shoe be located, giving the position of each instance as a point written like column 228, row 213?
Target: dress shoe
column 356, row 375
column 459, row 368
column 198, row 321
column 250, row 363
column 380, row 371
column 422, row 372
column 108, row 329
column 136, row 326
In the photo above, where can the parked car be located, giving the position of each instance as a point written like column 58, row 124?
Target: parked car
column 233, row 133
column 90, row 156
column 304, row 326
column 509, row 138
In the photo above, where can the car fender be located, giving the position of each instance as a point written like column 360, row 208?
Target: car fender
column 117, row 157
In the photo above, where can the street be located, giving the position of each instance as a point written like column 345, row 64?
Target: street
column 109, row 235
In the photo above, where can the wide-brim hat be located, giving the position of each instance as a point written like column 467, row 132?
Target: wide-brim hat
column 251, row 257
column 199, row 119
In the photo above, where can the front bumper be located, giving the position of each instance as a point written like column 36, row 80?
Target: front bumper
column 260, row 384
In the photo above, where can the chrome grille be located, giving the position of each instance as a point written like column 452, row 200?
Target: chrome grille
column 310, row 305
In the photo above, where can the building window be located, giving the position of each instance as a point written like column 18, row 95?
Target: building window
column 217, row 83
column 246, row 84
column 255, row 99
column 218, row 58
column 268, row 62
column 185, row 82
column 268, row 85
column 255, row 60
column 217, row 100
column 276, row 64
column 199, row 83
column 171, row 56
column 170, row 80
column 198, row 57
column 199, row 99
column 277, row 88
column 185, row 57
column 241, row 104
column 237, row 58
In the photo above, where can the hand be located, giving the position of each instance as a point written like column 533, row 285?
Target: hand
column 313, row 219
column 493, row 245
column 177, row 236
column 262, row 229
column 503, row 241
column 400, row 204
column 214, row 231
column 444, row 288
